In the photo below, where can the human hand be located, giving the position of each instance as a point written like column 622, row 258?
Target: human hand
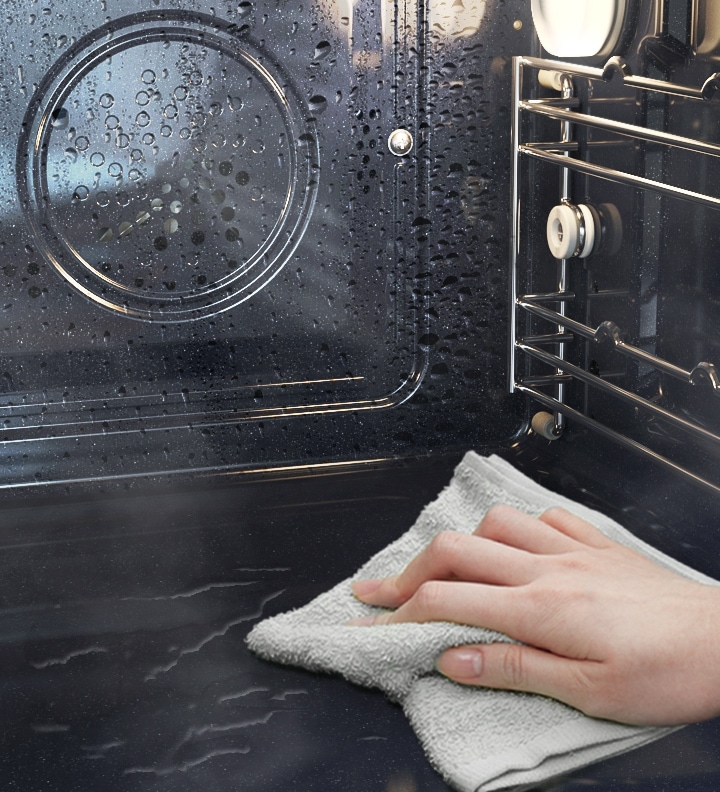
column 602, row 628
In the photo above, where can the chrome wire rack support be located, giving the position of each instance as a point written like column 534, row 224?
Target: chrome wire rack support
column 542, row 325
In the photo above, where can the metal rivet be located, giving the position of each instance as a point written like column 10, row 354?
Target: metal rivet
column 400, row 142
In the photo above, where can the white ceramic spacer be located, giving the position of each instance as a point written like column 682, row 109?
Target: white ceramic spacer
column 551, row 79
column 562, row 231
column 543, row 424
column 571, row 231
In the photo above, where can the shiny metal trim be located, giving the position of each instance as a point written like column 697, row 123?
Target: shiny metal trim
column 630, row 398
column 594, row 73
column 640, row 133
column 610, row 331
column 616, row 437
column 620, row 177
column 517, row 75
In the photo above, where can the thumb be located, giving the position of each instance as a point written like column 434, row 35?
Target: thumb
column 517, row 667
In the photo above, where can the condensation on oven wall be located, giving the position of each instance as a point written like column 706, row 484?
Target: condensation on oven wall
column 166, row 172
column 225, row 180
column 206, row 235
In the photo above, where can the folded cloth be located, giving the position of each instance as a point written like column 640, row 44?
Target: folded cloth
column 478, row 739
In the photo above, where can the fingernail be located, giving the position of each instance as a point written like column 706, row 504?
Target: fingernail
column 363, row 588
column 362, row 621
column 460, row 663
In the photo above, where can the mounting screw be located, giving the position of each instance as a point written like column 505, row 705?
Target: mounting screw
column 400, row 142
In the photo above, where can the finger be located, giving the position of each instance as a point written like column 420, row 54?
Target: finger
column 517, row 529
column 522, row 668
column 451, row 556
column 575, row 528
column 498, row 608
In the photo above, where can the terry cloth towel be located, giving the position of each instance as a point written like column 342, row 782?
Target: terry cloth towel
column 478, row 739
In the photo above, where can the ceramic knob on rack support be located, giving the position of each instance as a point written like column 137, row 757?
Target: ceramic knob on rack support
column 544, row 424
column 577, row 231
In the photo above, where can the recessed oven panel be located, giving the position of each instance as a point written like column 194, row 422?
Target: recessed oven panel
column 185, row 214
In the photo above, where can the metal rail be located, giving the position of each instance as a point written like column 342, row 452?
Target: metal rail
column 540, row 107
column 549, row 346
column 620, row 177
column 616, row 437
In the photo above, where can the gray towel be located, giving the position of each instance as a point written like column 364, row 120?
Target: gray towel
column 478, row 739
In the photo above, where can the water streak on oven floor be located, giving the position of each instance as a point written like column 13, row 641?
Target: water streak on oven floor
column 123, row 658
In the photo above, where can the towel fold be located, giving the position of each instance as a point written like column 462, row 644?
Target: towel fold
column 480, row 740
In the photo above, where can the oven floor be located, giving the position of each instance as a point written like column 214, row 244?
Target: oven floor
column 122, row 656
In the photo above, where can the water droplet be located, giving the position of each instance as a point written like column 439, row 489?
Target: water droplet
column 258, row 146
column 142, row 119
column 124, row 229
column 244, row 9
column 161, row 243
column 115, row 170
column 112, row 122
column 82, row 143
column 175, row 207
column 123, row 199
column 170, row 226
column 170, row 111
column 97, row 159
column 166, row 130
column 107, row 100
column 232, row 234
column 197, row 238
column 136, row 155
column 81, row 192
column 215, row 109
column 204, row 183
column 218, row 196
column 318, row 104
column 122, row 140
column 156, row 204
column 148, row 76
column 225, row 168
column 71, row 155
column 184, row 133
column 142, row 98
column 105, row 234
column 180, row 93
column 148, row 139
column 256, row 194
column 227, row 213
column 142, row 218
column 102, row 198
column 235, row 103
column 134, row 174
column 322, row 50
column 60, row 118
column 242, row 178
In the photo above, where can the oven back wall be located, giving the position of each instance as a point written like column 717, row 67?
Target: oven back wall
column 216, row 251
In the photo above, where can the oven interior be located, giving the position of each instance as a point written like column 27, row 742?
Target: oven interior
column 269, row 268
